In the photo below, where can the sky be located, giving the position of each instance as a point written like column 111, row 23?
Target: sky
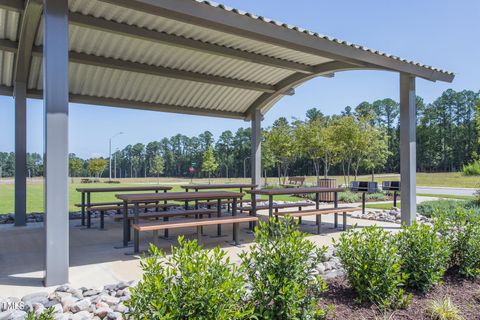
column 441, row 33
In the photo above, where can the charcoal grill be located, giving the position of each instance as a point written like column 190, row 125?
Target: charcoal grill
column 392, row 186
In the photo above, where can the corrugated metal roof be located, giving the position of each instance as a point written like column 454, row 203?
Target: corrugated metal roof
column 254, row 65
column 111, row 83
column 6, row 67
column 302, row 30
column 109, row 45
column 152, row 22
column 9, row 21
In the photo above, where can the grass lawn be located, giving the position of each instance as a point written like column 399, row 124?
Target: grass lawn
column 447, row 196
column 35, row 194
column 381, row 206
column 449, row 179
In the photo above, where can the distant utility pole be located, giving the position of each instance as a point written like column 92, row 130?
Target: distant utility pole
column 110, row 153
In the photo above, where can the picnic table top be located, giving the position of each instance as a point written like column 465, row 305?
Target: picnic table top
column 279, row 191
column 124, row 189
column 206, row 195
column 218, row 186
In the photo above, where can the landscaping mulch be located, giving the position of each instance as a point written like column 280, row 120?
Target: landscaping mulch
column 465, row 295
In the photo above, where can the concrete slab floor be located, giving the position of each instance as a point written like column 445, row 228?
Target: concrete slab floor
column 94, row 262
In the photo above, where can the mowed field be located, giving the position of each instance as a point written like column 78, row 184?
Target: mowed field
column 35, row 187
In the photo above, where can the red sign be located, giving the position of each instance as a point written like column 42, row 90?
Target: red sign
column 191, row 169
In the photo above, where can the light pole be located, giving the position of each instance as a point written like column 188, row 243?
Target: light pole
column 245, row 167
column 115, row 164
column 110, row 153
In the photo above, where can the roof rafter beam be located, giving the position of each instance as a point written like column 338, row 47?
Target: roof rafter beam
column 28, row 29
column 182, row 42
column 217, row 18
column 298, row 78
column 121, row 103
column 13, row 5
column 98, row 61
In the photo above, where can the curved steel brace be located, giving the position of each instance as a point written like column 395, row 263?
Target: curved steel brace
column 297, row 79
column 30, row 21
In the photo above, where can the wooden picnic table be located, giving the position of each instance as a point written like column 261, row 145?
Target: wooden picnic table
column 86, row 194
column 138, row 198
column 296, row 191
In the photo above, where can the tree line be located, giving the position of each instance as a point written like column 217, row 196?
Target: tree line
column 360, row 140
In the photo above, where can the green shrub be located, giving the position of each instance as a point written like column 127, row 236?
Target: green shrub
column 191, row 283
column 349, row 197
column 377, row 196
column 463, row 233
column 472, row 169
column 282, row 272
column 425, row 255
column 446, row 207
column 47, row 314
column 372, row 266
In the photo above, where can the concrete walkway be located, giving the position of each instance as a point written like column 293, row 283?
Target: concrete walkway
column 447, row 191
column 94, row 261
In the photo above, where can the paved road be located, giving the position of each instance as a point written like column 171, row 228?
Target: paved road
column 447, row 191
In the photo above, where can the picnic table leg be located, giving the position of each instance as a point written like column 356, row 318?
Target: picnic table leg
column 335, row 201
column 270, row 206
column 136, row 234
column 126, row 227
column 219, row 214
column 199, row 216
column 254, row 210
column 89, row 213
column 344, row 221
column 102, row 220
column 235, row 225
column 165, row 233
column 186, row 202
column 83, row 208
column 319, row 223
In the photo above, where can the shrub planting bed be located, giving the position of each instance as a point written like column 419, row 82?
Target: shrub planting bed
column 465, row 295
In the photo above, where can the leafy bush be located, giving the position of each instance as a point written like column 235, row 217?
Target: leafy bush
column 282, row 272
column 47, row 314
column 191, row 283
column 425, row 255
column 349, row 197
column 472, row 169
column 463, row 233
column 446, row 207
column 377, row 196
column 443, row 309
column 373, row 267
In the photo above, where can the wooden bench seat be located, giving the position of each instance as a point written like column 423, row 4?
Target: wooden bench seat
column 214, row 203
column 318, row 213
column 167, row 214
column 198, row 223
column 277, row 206
column 96, row 204
column 143, row 206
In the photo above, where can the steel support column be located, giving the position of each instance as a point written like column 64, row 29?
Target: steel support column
column 408, row 152
column 256, row 157
column 55, row 97
column 20, row 93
